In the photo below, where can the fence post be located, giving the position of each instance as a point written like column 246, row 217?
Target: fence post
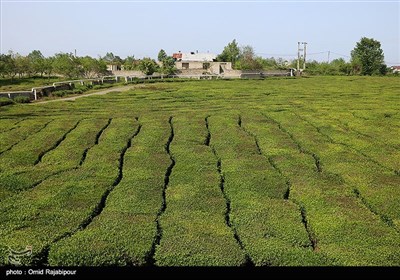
column 34, row 93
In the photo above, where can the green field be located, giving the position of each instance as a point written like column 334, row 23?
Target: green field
column 275, row 172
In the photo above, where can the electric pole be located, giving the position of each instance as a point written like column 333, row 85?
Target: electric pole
column 301, row 58
column 329, row 53
column 298, row 58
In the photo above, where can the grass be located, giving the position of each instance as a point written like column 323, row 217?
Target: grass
column 275, row 172
column 21, row 84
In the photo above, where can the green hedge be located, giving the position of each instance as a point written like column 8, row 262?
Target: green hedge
column 27, row 152
column 269, row 226
column 125, row 231
column 68, row 155
column 194, row 231
column 22, row 99
column 64, row 202
column 6, row 101
column 345, row 230
column 20, row 132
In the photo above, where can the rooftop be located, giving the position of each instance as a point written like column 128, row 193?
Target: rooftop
column 194, row 56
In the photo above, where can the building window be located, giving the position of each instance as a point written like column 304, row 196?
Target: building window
column 185, row 65
column 206, row 65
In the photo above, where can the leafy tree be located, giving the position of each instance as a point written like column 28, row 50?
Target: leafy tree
column 48, row 65
column 6, row 65
column 247, row 59
column 109, row 57
column 22, row 65
column 162, row 55
column 168, row 65
column 130, row 63
column 67, row 65
column 37, row 61
column 91, row 67
column 368, row 56
column 230, row 53
column 148, row 66
column 341, row 66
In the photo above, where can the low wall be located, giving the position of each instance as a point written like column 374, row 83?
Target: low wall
column 14, row 94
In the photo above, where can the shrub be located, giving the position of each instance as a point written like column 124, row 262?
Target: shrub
column 77, row 91
column 61, row 93
column 6, row 101
column 22, row 99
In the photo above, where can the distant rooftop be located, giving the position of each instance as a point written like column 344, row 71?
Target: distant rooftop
column 194, row 56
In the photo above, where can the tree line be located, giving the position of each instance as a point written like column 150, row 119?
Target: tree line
column 14, row 65
column 367, row 58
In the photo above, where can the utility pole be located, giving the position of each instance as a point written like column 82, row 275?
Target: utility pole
column 301, row 57
column 305, row 52
column 329, row 53
column 298, row 58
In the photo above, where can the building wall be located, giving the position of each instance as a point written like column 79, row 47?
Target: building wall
column 194, row 56
column 213, row 67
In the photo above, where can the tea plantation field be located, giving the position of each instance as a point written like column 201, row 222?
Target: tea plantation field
column 275, row 172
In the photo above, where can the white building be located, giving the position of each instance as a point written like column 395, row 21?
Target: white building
column 195, row 62
column 195, row 56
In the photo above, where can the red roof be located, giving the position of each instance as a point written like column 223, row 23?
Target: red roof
column 396, row 67
column 177, row 55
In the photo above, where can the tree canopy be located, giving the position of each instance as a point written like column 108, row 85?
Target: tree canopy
column 161, row 55
column 230, row 53
column 148, row 66
column 368, row 57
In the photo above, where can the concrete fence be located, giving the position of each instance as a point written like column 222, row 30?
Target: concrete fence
column 39, row 92
column 14, row 94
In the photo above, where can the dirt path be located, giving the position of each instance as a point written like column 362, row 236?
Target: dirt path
column 101, row 92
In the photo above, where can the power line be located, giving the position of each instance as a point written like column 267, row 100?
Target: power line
column 318, row 53
column 341, row 54
column 276, row 54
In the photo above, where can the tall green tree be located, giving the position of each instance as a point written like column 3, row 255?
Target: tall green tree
column 368, row 57
column 37, row 61
column 148, row 66
column 67, row 65
column 22, row 65
column 48, row 65
column 130, row 63
column 161, row 55
column 247, row 59
column 91, row 67
column 168, row 65
column 7, row 64
column 110, row 58
column 230, row 53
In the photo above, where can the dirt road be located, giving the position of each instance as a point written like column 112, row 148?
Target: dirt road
column 101, row 92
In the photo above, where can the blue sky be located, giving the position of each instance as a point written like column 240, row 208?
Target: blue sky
column 142, row 28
